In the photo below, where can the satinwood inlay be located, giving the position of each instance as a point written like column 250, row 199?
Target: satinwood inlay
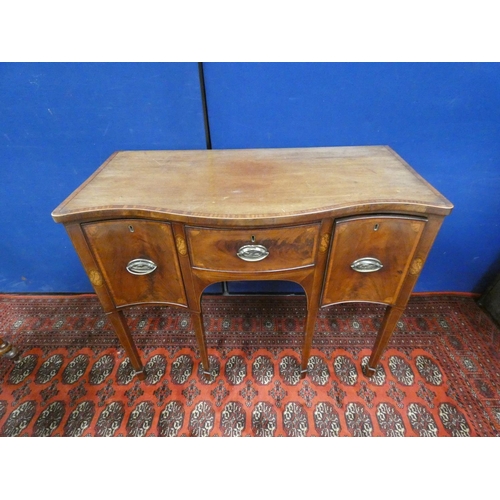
column 348, row 224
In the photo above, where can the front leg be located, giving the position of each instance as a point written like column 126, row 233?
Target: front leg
column 312, row 312
column 391, row 317
column 122, row 330
column 201, row 340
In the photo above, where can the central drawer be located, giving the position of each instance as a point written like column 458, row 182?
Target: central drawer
column 253, row 250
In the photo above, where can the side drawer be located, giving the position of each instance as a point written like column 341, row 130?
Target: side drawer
column 370, row 257
column 253, row 250
column 138, row 260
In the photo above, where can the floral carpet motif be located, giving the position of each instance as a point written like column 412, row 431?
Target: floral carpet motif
column 440, row 375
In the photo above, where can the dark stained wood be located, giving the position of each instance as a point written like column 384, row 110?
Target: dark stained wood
column 116, row 243
column 313, row 285
column 391, row 317
column 193, row 294
column 119, row 323
column 217, row 249
column 392, row 240
column 90, row 265
column 252, row 187
column 316, row 210
column 393, row 313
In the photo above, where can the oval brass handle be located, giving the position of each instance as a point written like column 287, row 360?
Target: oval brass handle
column 252, row 253
column 141, row 266
column 367, row 265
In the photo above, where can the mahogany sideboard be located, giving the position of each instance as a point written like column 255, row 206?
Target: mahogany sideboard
column 348, row 224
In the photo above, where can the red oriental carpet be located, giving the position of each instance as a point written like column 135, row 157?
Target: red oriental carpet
column 440, row 375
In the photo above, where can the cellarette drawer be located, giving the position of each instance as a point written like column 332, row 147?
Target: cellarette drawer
column 370, row 257
column 137, row 259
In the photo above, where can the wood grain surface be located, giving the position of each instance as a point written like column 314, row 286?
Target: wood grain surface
column 183, row 219
column 252, row 186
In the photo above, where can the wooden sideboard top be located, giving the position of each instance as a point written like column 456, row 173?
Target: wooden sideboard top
column 252, row 186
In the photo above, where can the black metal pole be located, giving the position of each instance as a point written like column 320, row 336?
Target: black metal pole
column 204, row 104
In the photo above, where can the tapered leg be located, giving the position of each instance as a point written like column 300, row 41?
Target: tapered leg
column 200, row 337
column 122, row 331
column 391, row 317
column 8, row 350
column 312, row 312
column 312, row 285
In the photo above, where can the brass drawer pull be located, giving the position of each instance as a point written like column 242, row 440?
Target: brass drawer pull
column 141, row 266
column 252, row 253
column 367, row 265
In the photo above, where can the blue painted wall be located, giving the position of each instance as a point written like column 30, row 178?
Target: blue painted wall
column 59, row 122
column 444, row 119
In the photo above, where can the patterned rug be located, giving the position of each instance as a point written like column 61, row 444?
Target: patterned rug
column 440, row 375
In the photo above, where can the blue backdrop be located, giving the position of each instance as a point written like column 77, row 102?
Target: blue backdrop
column 444, row 119
column 59, row 122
